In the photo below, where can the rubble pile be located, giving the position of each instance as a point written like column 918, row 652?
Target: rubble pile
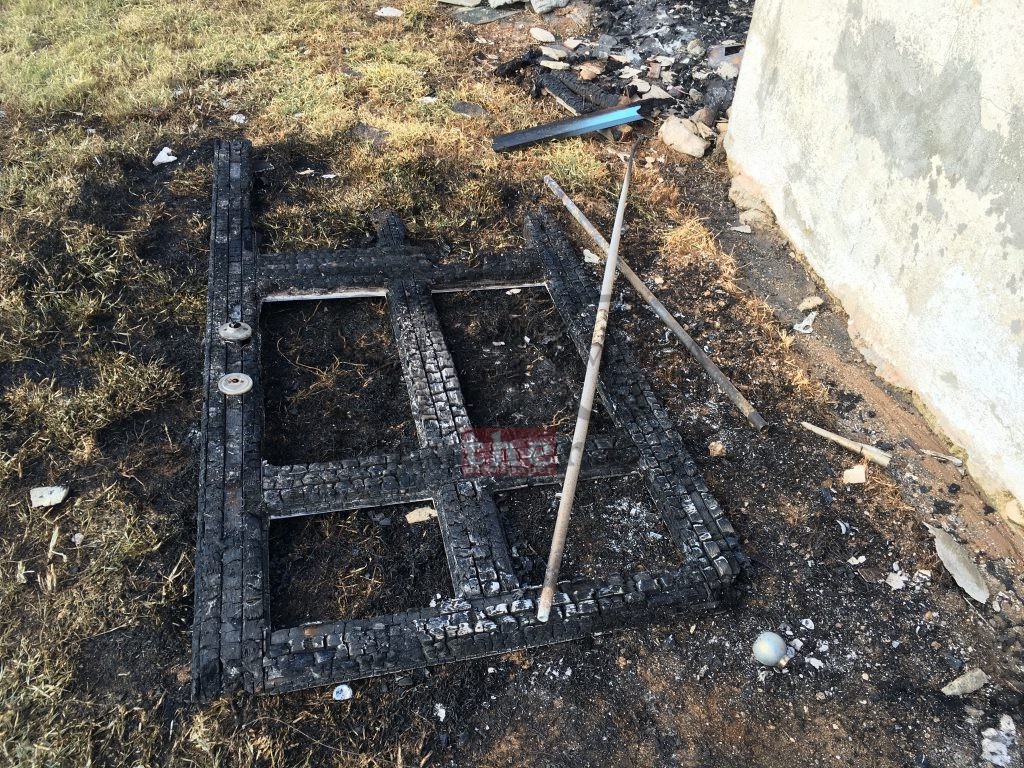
column 684, row 57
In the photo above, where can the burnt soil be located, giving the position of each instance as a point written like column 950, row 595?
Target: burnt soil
column 333, row 386
column 621, row 531
column 354, row 565
column 515, row 361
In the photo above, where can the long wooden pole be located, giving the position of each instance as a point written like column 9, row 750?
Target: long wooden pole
column 726, row 386
column 579, row 435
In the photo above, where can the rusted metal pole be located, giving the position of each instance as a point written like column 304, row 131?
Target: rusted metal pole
column 726, row 386
column 579, row 435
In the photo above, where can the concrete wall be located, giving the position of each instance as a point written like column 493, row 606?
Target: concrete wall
column 888, row 139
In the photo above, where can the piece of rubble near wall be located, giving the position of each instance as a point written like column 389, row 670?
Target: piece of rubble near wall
column 888, row 141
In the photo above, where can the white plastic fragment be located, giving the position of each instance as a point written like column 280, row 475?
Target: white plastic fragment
column 816, row 663
column 896, row 581
column 420, row 515
column 48, row 495
column 388, row 12
column 859, row 560
column 855, row 475
column 441, row 712
column 959, row 564
column 342, row 693
column 164, row 156
column 807, row 324
column 238, row 119
column 590, row 257
column 969, row 682
column 328, row 175
column 769, row 649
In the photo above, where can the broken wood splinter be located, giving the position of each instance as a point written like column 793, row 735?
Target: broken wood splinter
column 869, row 452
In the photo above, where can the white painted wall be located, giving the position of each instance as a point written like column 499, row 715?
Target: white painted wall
column 888, row 139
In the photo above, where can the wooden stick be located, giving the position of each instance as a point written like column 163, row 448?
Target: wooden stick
column 726, row 386
column 869, row 452
column 579, row 435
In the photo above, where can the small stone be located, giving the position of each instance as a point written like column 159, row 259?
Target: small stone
column 164, row 156
column 716, row 448
column 468, row 109
column 390, row 12
column 556, row 52
column 238, row 119
column 696, row 48
column 770, row 649
column 811, row 302
column 427, row 99
column 704, row 115
column 815, row 663
column 657, row 92
column 756, row 218
column 546, row 6
column 590, row 257
column 553, row 64
column 541, row 35
column 969, row 682
column 896, row 581
column 855, row 475
column 48, row 496
column 420, row 515
column 342, row 693
column 680, row 134
column 727, row 71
